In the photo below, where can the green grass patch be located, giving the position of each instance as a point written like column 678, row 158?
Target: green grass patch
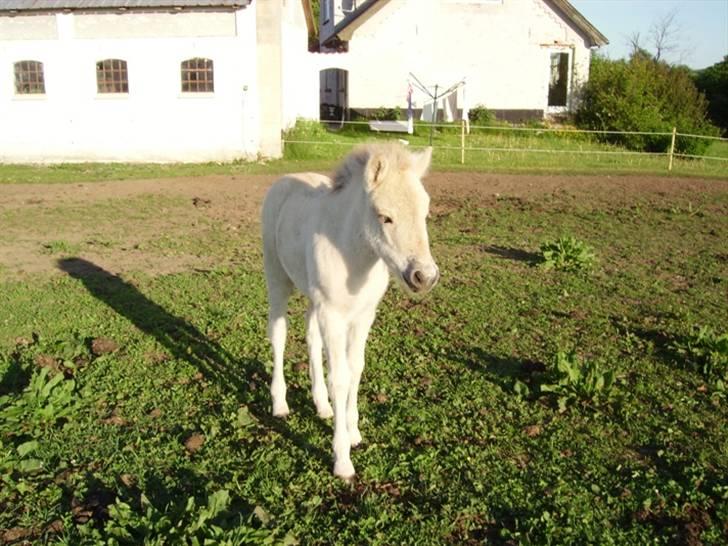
column 311, row 146
column 502, row 149
column 135, row 409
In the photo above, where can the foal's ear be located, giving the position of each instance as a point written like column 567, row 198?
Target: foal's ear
column 421, row 161
column 375, row 170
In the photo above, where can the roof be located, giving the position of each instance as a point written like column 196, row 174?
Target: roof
column 346, row 27
column 570, row 13
column 53, row 5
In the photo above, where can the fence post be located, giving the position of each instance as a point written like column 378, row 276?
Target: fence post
column 462, row 142
column 672, row 148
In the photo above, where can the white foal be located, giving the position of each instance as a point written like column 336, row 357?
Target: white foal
column 337, row 241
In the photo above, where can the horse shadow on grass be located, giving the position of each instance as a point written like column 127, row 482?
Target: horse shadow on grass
column 185, row 342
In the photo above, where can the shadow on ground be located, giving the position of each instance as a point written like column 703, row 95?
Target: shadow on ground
column 503, row 371
column 185, row 342
column 515, row 254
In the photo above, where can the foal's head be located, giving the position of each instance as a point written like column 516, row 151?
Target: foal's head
column 397, row 211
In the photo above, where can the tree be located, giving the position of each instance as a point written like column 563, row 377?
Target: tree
column 644, row 95
column 664, row 39
column 664, row 35
column 713, row 82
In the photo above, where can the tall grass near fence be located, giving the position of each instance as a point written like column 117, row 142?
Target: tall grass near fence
column 314, row 146
column 507, row 148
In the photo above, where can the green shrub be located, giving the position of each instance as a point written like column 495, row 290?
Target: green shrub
column 480, row 116
column 212, row 523
column 384, row 113
column 705, row 351
column 44, row 401
column 642, row 94
column 580, row 381
column 567, row 254
column 713, row 82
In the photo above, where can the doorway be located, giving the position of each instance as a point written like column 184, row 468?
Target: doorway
column 333, row 94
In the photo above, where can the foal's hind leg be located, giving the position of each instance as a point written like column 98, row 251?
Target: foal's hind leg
column 316, row 368
column 279, row 290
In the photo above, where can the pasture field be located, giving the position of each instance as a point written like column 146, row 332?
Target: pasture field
column 134, row 369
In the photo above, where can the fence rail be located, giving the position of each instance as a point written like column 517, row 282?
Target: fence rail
column 470, row 134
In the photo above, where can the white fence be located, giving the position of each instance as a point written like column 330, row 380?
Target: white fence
column 470, row 137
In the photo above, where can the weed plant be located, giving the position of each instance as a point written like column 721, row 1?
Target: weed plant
column 567, row 254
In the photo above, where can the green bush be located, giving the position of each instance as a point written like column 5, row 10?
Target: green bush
column 567, row 254
column 480, row 115
column 706, row 351
column 643, row 94
column 384, row 113
column 580, row 381
column 713, row 82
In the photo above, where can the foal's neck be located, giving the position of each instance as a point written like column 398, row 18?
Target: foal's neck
column 351, row 206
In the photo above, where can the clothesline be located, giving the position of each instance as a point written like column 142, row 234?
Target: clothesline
column 447, row 100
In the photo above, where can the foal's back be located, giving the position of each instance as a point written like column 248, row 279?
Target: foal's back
column 301, row 188
column 289, row 210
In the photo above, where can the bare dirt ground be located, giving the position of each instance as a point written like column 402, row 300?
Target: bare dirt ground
column 144, row 224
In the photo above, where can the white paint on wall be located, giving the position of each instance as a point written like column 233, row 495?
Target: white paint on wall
column 155, row 121
column 502, row 48
column 182, row 24
column 299, row 75
column 33, row 27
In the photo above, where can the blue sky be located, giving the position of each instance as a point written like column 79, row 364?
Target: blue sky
column 702, row 25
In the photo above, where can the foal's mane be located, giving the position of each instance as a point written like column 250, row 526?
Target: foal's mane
column 352, row 166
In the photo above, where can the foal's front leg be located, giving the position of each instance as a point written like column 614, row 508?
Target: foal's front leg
column 357, row 339
column 334, row 333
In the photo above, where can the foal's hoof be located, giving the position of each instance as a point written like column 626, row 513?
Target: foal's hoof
column 281, row 410
column 325, row 412
column 354, row 438
column 344, row 470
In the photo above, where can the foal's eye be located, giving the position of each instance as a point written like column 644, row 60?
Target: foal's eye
column 384, row 219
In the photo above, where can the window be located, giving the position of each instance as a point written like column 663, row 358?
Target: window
column 559, row 79
column 29, row 78
column 197, row 76
column 112, row 76
column 327, row 11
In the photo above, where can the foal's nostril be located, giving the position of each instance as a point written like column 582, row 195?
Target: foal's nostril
column 418, row 278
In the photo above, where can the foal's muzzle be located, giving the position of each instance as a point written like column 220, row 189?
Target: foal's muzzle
column 421, row 278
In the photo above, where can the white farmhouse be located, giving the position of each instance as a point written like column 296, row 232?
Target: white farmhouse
column 218, row 80
column 522, row 59
column 150, row 80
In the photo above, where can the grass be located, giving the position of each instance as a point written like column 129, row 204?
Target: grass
column 135, row 409
column 486, row 149
column 504, row 150
column 93, row 172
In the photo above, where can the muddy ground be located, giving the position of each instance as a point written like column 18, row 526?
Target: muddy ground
column 145, row 225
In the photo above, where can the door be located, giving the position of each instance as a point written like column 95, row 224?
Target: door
column 559, row 81
column 334, row 98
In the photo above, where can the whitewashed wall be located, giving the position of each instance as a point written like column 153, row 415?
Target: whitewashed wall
column 155, row 121
column 299, row 71
column 502, row 47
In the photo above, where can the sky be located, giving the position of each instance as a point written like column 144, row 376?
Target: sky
column 702, row 26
